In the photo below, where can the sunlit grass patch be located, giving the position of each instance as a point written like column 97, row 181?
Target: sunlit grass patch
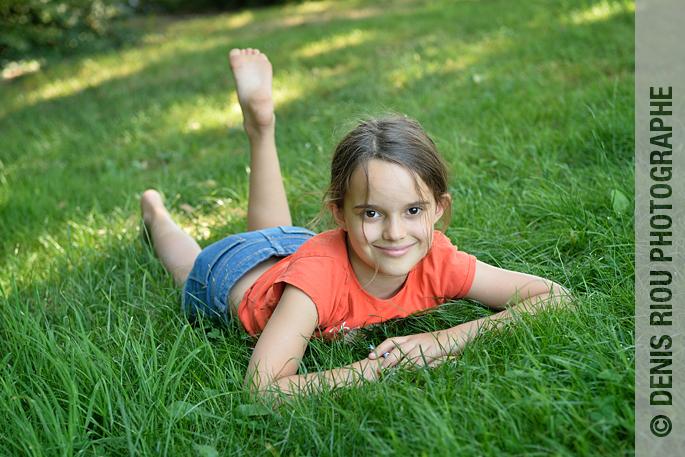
column 601, row 11
column 202, row 221
column 333, row 43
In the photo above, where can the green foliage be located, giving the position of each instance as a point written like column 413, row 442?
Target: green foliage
column 185, row 6
column 35, row 28
column 60, row 24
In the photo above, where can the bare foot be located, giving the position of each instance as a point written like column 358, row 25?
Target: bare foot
column 152, row 207
column 253, row 75
column 175, row 248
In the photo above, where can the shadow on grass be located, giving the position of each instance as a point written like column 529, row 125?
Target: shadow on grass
column 470, row 71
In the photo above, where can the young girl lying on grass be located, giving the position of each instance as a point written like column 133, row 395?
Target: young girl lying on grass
column 385, row 261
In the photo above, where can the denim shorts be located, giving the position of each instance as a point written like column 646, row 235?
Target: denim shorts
column 220, row 265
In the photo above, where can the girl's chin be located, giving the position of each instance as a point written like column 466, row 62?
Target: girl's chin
column 395, row 271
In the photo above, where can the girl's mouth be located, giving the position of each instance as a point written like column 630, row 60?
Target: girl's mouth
column 395, row 251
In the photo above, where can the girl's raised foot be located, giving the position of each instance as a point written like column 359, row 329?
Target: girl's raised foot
column 253, row 77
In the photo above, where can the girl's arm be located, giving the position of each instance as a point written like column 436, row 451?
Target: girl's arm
column 281, row 345
column 500, row 289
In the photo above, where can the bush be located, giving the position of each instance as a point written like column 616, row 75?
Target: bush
column 29, row 28
column 186, row 6
column 28, row 25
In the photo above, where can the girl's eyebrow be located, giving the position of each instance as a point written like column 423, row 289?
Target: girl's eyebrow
column 376, row 207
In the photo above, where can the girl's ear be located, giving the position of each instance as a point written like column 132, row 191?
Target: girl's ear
column 338, row 215
column 441, row 205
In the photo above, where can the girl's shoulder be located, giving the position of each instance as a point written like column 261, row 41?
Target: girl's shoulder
column 446, row 271
column 445, row 256
column 320, row 269
column 441, row 241
column 325, row 253
column 329, row 243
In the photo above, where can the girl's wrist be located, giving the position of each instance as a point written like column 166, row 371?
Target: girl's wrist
column 459, row 337
column 368, row 369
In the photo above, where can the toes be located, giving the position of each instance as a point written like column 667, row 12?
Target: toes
column 235, row 52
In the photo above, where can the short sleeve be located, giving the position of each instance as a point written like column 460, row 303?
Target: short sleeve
column 452, row 270
column 323, row 279
column 463, row 266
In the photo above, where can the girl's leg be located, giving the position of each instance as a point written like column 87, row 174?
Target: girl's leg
column 175, row 248
column 267, row 203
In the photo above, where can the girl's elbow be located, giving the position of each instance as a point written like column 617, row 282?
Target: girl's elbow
column 562, row 292
column 561, row 296
column 262, row 384
column 261, row 390
column 257, row 381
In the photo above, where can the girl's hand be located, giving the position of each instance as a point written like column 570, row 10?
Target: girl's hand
column 423, row 349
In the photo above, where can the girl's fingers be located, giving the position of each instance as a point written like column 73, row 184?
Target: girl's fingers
column 407, row 355
column 378, row 352
column 389, row 344
column 388, row 359
column 385, row 360
column 396, row 351
column 413, row 357
column 393, row 358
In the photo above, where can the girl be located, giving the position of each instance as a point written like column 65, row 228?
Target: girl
column 385, row 261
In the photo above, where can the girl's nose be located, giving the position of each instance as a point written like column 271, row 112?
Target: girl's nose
column 395, row 229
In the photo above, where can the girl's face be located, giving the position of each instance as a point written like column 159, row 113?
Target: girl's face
column 394, row 228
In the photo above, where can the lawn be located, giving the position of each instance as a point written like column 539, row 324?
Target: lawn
column 532, row 105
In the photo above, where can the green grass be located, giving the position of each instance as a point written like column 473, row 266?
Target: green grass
column 530, row 102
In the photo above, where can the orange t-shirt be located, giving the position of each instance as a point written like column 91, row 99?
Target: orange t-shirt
column 321, row 269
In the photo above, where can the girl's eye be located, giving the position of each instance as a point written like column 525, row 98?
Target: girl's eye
column 414, row 210
column 370, row 214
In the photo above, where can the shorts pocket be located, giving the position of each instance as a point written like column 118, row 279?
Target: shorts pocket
column 296, row 230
